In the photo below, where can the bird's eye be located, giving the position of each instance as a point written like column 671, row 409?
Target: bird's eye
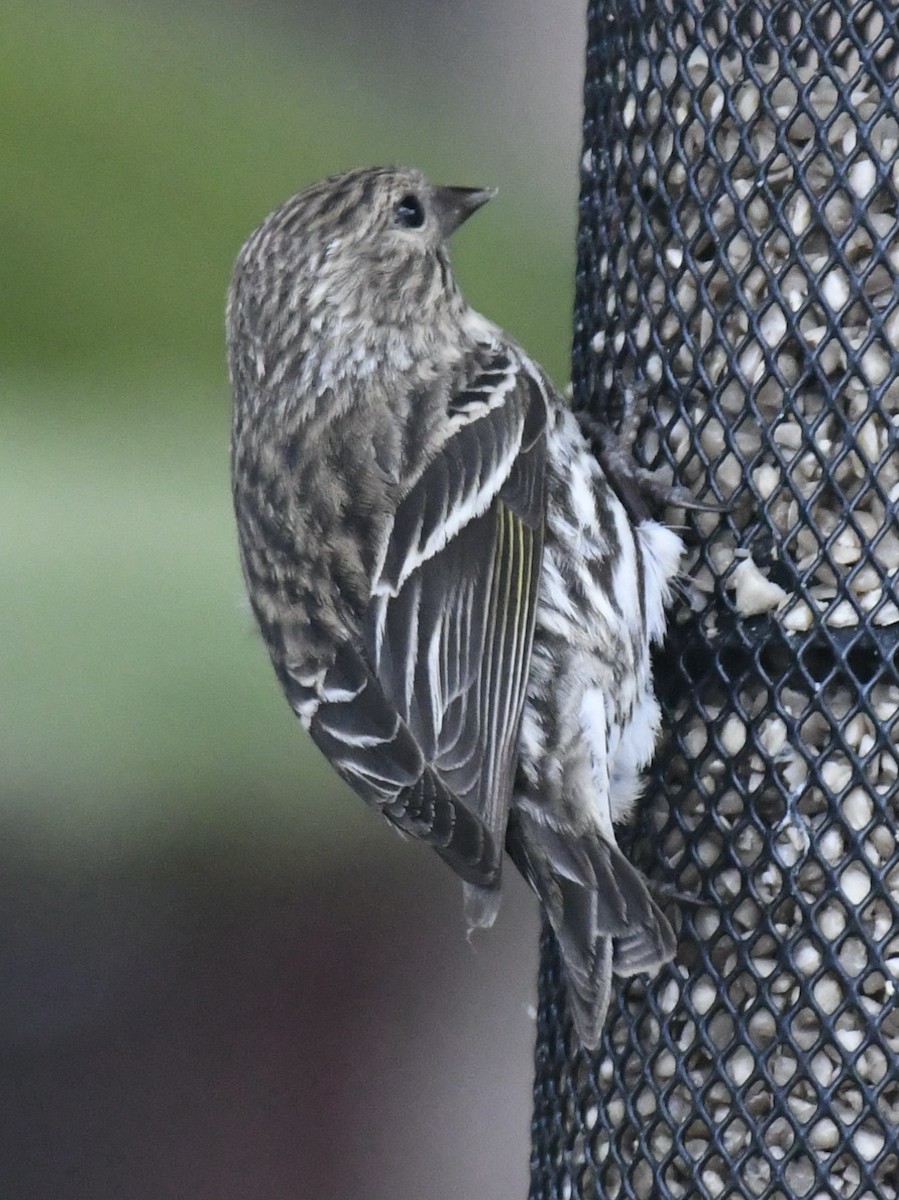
column 409, row 212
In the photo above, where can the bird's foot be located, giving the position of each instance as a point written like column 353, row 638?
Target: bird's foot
column 664, row 893
column 635, row 485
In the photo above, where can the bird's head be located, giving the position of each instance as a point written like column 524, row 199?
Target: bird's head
column 352, row 269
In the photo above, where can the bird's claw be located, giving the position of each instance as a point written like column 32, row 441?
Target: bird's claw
column 665, row 892
column 674, row 495
column 615, row 451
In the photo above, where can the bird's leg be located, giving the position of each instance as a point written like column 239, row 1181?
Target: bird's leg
column 614, row 449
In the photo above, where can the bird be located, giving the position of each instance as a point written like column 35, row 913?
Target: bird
column 457, row 603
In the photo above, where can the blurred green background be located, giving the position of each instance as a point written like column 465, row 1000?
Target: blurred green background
column 159, row 806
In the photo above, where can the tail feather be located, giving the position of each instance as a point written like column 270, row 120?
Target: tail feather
column 638, row 952
column 481, row 905
column 589, row 996
column 603, row 916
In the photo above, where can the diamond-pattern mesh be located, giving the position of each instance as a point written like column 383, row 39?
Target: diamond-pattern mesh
column 739, row 251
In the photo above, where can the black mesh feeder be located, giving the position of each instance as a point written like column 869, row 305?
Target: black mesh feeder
column 739, row 253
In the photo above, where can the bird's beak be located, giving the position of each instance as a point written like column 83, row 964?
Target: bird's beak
column 454, row 205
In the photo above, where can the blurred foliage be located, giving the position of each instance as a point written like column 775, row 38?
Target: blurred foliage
column 136, row 692
column 139, row 147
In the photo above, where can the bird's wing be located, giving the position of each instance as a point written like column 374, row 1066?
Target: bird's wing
column 422, row 717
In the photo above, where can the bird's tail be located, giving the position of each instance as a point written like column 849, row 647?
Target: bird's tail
column 604, row 919
column 481, row 905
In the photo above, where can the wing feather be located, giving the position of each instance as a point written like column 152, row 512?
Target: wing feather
column 430, row 733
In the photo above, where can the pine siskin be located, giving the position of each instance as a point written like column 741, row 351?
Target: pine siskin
column 455, row 601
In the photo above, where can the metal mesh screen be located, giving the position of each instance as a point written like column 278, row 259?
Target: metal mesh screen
column 739, row 250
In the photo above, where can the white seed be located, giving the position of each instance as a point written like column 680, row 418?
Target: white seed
column 881, row 845
column 748, row 102
column 868, row 1143
column 836, row 772
column 857, row 728
column 831, row 845
column 791, row 844
column 788, row 434
column 887, row 615
column 847, row 547
column 862, row 176
column 773, row 735
column 850, row 1039
column 856, row 883
column 798, row 618
column 870, row 525
column 695, row 741
column 641, row 73
column 828, row 993
column 858, row 809
column 752, row 364
column 800, row 1176
column 833, row 357
column 868, row 441
column 796, row 773
column 740, row 1065
column 875, row 364
column 801, row 1107
column 882, row 922
column 703, row 995
column 854, row 959
column 824, row 1135
column 824, row 1069
column 800, row 216
column 712, row 1181
column 729, row 881
column 835, row 288
column 729, row 474
column 888, row 768
column 755, row 593
column 769, row 882
column 773, row 326
column 832, row 922
column 733, row 735
column 698, row 64
column 665, row 1065
column 667, row 69
column 807, row 958
column 843, row 615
